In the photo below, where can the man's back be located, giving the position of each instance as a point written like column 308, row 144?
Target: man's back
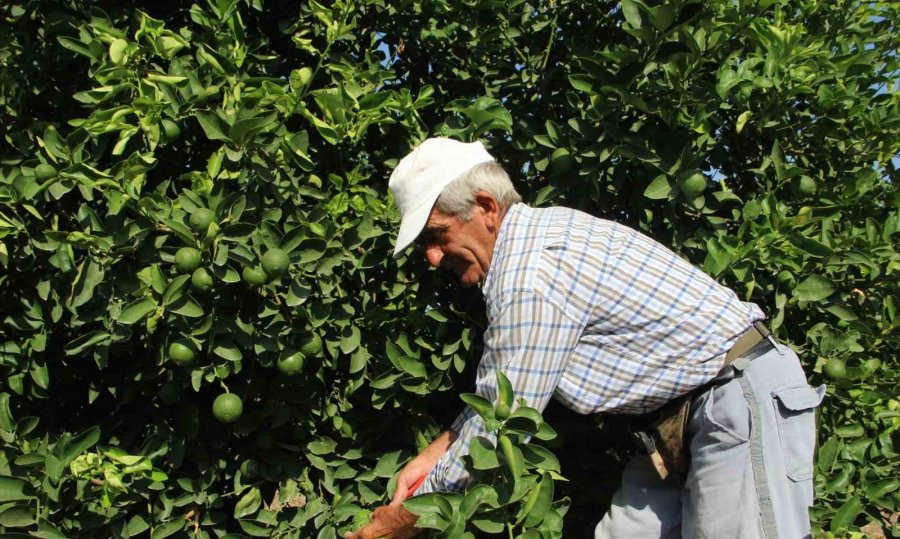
column 651, row 325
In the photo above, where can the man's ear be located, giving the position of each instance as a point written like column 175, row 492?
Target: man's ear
column 490, row 209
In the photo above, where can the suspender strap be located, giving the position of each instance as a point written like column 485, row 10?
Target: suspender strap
column 757, row 332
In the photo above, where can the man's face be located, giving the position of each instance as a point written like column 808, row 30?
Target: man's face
column 462, row 247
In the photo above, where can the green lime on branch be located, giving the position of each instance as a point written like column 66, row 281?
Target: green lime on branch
column 290, row 363
column 201, row 280
column 181, row 353
column 804, row 186
column 311, row 345
column 253, row 275
column 201, row 218
column 835, row 368
column 187, row 259
column 171, row 129
column 693, row 185
column 228, row 408
column 275, row 262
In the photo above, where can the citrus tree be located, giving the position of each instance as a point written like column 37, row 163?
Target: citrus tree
column 202, row 330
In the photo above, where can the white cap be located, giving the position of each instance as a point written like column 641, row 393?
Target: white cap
column 421, row 176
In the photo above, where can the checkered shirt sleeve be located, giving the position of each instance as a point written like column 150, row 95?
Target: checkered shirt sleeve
column 529, row 341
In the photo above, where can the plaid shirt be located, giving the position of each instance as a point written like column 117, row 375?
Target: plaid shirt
column 597, row 315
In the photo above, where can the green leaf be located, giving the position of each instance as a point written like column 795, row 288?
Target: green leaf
column 631, row 12
column 136, row 526
column 350, row 339
column 814, row 288
column 542, row 503
column 89, row 339
column 248, row 504
column 79, row 444
column 842, row 312
column 243, row 130
column 167, row 529
column 6, row 418
column 742, row 121
column 810, row 246
column 481, row 405
column 229, row 352
column 506, row 393
column 540, row 457
column 490, row 522
column 212, row 125
column 846, row 514
column 483, row 454
column 187, row 306
column 17, row 517
column 137, row 310
column 828, row 454
column 13, row 489
column 659, row 188
column 880, row 489
column 117, row 51
column 777, row 158
column 76, row 46
column 583, row 83
column 322, row 446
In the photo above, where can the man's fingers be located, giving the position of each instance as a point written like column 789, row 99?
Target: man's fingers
column 399, row 496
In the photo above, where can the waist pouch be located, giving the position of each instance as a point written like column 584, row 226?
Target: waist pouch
column 661, row 434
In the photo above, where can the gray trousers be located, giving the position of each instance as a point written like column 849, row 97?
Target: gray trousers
column 752, row 439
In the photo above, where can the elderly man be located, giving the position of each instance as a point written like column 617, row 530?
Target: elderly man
column 607, row 320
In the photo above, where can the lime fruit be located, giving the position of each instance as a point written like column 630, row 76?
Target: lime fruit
column 804, row 186
column 201, row 218
column 171, row 129
column 835, row 369
column 693, row 185
column 253, row 275
column 187, row 259
column 311, row 346
column 201, row 280
column 290, row 363
column 44, row 172
column 228, row 407
column 275, row 262
column 181, row 353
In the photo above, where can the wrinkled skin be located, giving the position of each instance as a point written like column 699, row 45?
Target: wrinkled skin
column 464, row 248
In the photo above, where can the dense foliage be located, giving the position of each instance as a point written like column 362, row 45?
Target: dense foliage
column 193, row 204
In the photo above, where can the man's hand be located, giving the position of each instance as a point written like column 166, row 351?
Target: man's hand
column 389, row 522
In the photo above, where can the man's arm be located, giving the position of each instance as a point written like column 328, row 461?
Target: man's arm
column 530, row 341
column 422, row 465
column 394, row 521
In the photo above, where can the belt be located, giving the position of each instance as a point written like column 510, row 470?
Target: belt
column 757, row 332
column 661, row 435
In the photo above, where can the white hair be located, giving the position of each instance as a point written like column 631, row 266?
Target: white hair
column 458, row 197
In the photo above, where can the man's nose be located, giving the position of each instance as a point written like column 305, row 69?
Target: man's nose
column 434, row 255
